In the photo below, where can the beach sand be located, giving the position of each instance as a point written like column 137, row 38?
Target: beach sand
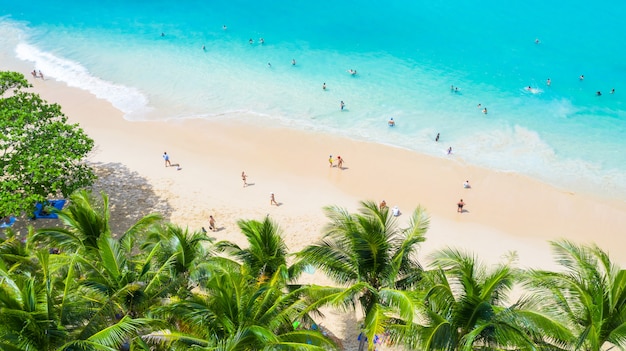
column 504, row 212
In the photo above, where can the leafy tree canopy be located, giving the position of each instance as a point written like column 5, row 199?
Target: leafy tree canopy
column 41, row 154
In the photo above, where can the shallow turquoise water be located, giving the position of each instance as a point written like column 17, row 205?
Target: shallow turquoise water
column 407, row 55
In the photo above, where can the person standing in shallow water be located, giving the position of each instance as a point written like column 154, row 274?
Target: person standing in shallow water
column 342, row 105
column 437, row 138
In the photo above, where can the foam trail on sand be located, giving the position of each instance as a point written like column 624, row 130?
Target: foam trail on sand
column 129, row 100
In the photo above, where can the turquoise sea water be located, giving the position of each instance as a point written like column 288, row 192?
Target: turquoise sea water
column 407, row 55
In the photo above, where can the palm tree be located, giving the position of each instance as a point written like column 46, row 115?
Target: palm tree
column 373, row 260
column 27, row 313
column 589, row 294
column 180, row 250
column 102, row 279
column 232, row 310
column 266, row 252
column 464, row 308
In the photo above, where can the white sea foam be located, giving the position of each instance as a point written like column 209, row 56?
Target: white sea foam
column 130, row 101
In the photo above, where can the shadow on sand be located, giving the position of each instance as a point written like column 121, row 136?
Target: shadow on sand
column 130, row 198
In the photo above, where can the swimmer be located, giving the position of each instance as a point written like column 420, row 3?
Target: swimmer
column 162, row 34
column 456, row 89
column 203, row 48
column 479, row 105
column 269, row 65
column 40, row 75
column 529, row 88
column 391, row 122
column 598, row 93
column 352, row 71
column 582, row 77
column 548, row 82
column 293, row 62
column 224, row 27
column 437, row 138
column 324, row 86
column 261, row 41
column 251, row 41
column 34, row 73
column 613, row 91
column 485, row 110
column 537, row 41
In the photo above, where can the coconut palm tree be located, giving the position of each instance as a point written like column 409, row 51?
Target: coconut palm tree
column 266, row 252
column 589, row 294
column 232, row 310
column 373, row 260
column 465, row 307
column 180, row 250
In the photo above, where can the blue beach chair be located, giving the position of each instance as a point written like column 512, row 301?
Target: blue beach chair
column 8, row 224
column 42, row 210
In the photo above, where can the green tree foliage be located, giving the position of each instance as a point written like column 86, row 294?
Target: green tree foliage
column 41, row 154
column 375, row 260
column 267, row 251
column 589, row 295
column 464, row 307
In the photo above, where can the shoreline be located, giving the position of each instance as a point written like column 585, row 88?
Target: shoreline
column 510, row 207
column 501, row 207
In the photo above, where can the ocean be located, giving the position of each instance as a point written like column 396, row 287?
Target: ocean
column 432, row 66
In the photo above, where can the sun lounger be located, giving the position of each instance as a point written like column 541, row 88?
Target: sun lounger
column 4, row 224
column 42, row 210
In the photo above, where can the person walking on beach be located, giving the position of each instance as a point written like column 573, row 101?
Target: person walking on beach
column 166, row 157
column 460, row 206
column 339, row 162
column 244, row 177
column 330, row 160
column 212, row 223
column 449, row 150
column 273, row 200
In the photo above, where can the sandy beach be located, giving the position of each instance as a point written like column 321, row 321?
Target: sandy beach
column 504, row 211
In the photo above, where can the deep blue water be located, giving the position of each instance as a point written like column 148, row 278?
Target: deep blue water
column 407, row 55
